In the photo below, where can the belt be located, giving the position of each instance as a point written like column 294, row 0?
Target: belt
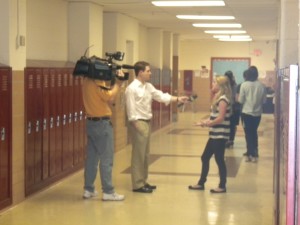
column 144, row 120
column 98, row 118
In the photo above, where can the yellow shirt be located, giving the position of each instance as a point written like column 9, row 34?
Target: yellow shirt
column 95, row 99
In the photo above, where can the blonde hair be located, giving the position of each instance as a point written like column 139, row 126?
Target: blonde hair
column 224, row 89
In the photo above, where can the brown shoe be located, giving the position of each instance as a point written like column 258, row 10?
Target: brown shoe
column 197, row 187
column 218, row 190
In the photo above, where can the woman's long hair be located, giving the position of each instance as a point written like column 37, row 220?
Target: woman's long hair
column 229, row 74
column 224, row 89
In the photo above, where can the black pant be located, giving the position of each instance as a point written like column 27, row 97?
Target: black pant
column 234, row 121
column 250, row 124
column 214, row 147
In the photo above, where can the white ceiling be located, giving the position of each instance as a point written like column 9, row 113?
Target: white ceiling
column 258, row 17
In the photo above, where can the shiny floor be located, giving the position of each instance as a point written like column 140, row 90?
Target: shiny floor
column 175, row 164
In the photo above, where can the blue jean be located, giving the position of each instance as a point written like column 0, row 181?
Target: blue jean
column 100, row 151
column 250, row 124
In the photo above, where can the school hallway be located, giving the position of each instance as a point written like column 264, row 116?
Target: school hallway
column 175, row 164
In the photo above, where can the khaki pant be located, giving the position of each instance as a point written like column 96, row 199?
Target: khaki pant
column 140, row 153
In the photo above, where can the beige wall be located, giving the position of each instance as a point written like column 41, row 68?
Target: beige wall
column 47, row 30
column 194, row 54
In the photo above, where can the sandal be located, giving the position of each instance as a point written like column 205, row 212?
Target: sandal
column 196, row 187
column 218, row 190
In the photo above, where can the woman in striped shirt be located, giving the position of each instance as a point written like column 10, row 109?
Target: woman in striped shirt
column 219, row 129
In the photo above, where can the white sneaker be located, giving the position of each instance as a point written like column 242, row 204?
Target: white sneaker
column 112, row 197
column 89, row 194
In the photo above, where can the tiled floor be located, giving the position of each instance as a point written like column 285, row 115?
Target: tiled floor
column 175, row 155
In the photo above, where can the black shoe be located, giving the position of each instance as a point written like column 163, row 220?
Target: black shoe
column 143, row 190
column 196, row 187
column 149, row 186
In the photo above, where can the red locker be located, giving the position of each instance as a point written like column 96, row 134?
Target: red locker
column 82, row 133
column 5, row 137
column 30, row 118
column 65, row 123
column 166, row 87
column 58, row 120
column 46, row 123
column 70, row 117
column 76, row 100
column 38, row 108
column 156, row 106
column 52, row 119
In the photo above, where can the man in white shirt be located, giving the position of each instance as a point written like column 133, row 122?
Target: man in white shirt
column 139, row 96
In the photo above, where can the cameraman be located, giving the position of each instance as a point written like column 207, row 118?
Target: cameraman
column 139, row 96
column 100, row 143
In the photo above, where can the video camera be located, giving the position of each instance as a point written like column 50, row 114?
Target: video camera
column 101, row 69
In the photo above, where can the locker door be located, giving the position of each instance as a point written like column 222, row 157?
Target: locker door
column 65, row 121
column 82, row 136
column 5, row 137
column 71, row 119
column 58, row 121
column 76, row 100
column 38, row 96
column 46, row 123
column 52, row 119
column 30, row 118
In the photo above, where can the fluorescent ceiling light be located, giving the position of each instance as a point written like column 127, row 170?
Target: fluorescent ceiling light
column 195, row 17
column 227, row 25
column 225, row 32
column 232, row 36
column 235, row 39
column 221, row 36
column 188, row 3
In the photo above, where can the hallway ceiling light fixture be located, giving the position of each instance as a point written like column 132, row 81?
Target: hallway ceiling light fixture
column 232, row 36
column 217, row 25
column 225, row 32
column 187, row 3
column 235, row 39
column 196, row 17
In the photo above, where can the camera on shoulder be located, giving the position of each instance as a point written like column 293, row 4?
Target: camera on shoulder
column 101, row 69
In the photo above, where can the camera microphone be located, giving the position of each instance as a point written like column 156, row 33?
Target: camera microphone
column 127, row 66
column 190, row 99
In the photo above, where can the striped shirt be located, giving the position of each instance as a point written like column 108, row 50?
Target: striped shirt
column 222, row 129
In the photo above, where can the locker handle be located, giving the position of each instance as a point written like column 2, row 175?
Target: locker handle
column 57, row 121
column 80, row 115
column 37, row 126
column 64, row 119
column 3, row 134
column 75, row 116
column 51, row 122
column 45, row 124
column 29, row 128
column 70, row 118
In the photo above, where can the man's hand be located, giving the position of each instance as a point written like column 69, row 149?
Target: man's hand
column 120, row 74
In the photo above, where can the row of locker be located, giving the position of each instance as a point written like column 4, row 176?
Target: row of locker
column 5, row 136
column 161, row 79
column 55, row 126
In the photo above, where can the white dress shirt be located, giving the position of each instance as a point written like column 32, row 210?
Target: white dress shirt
column 139, row 99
